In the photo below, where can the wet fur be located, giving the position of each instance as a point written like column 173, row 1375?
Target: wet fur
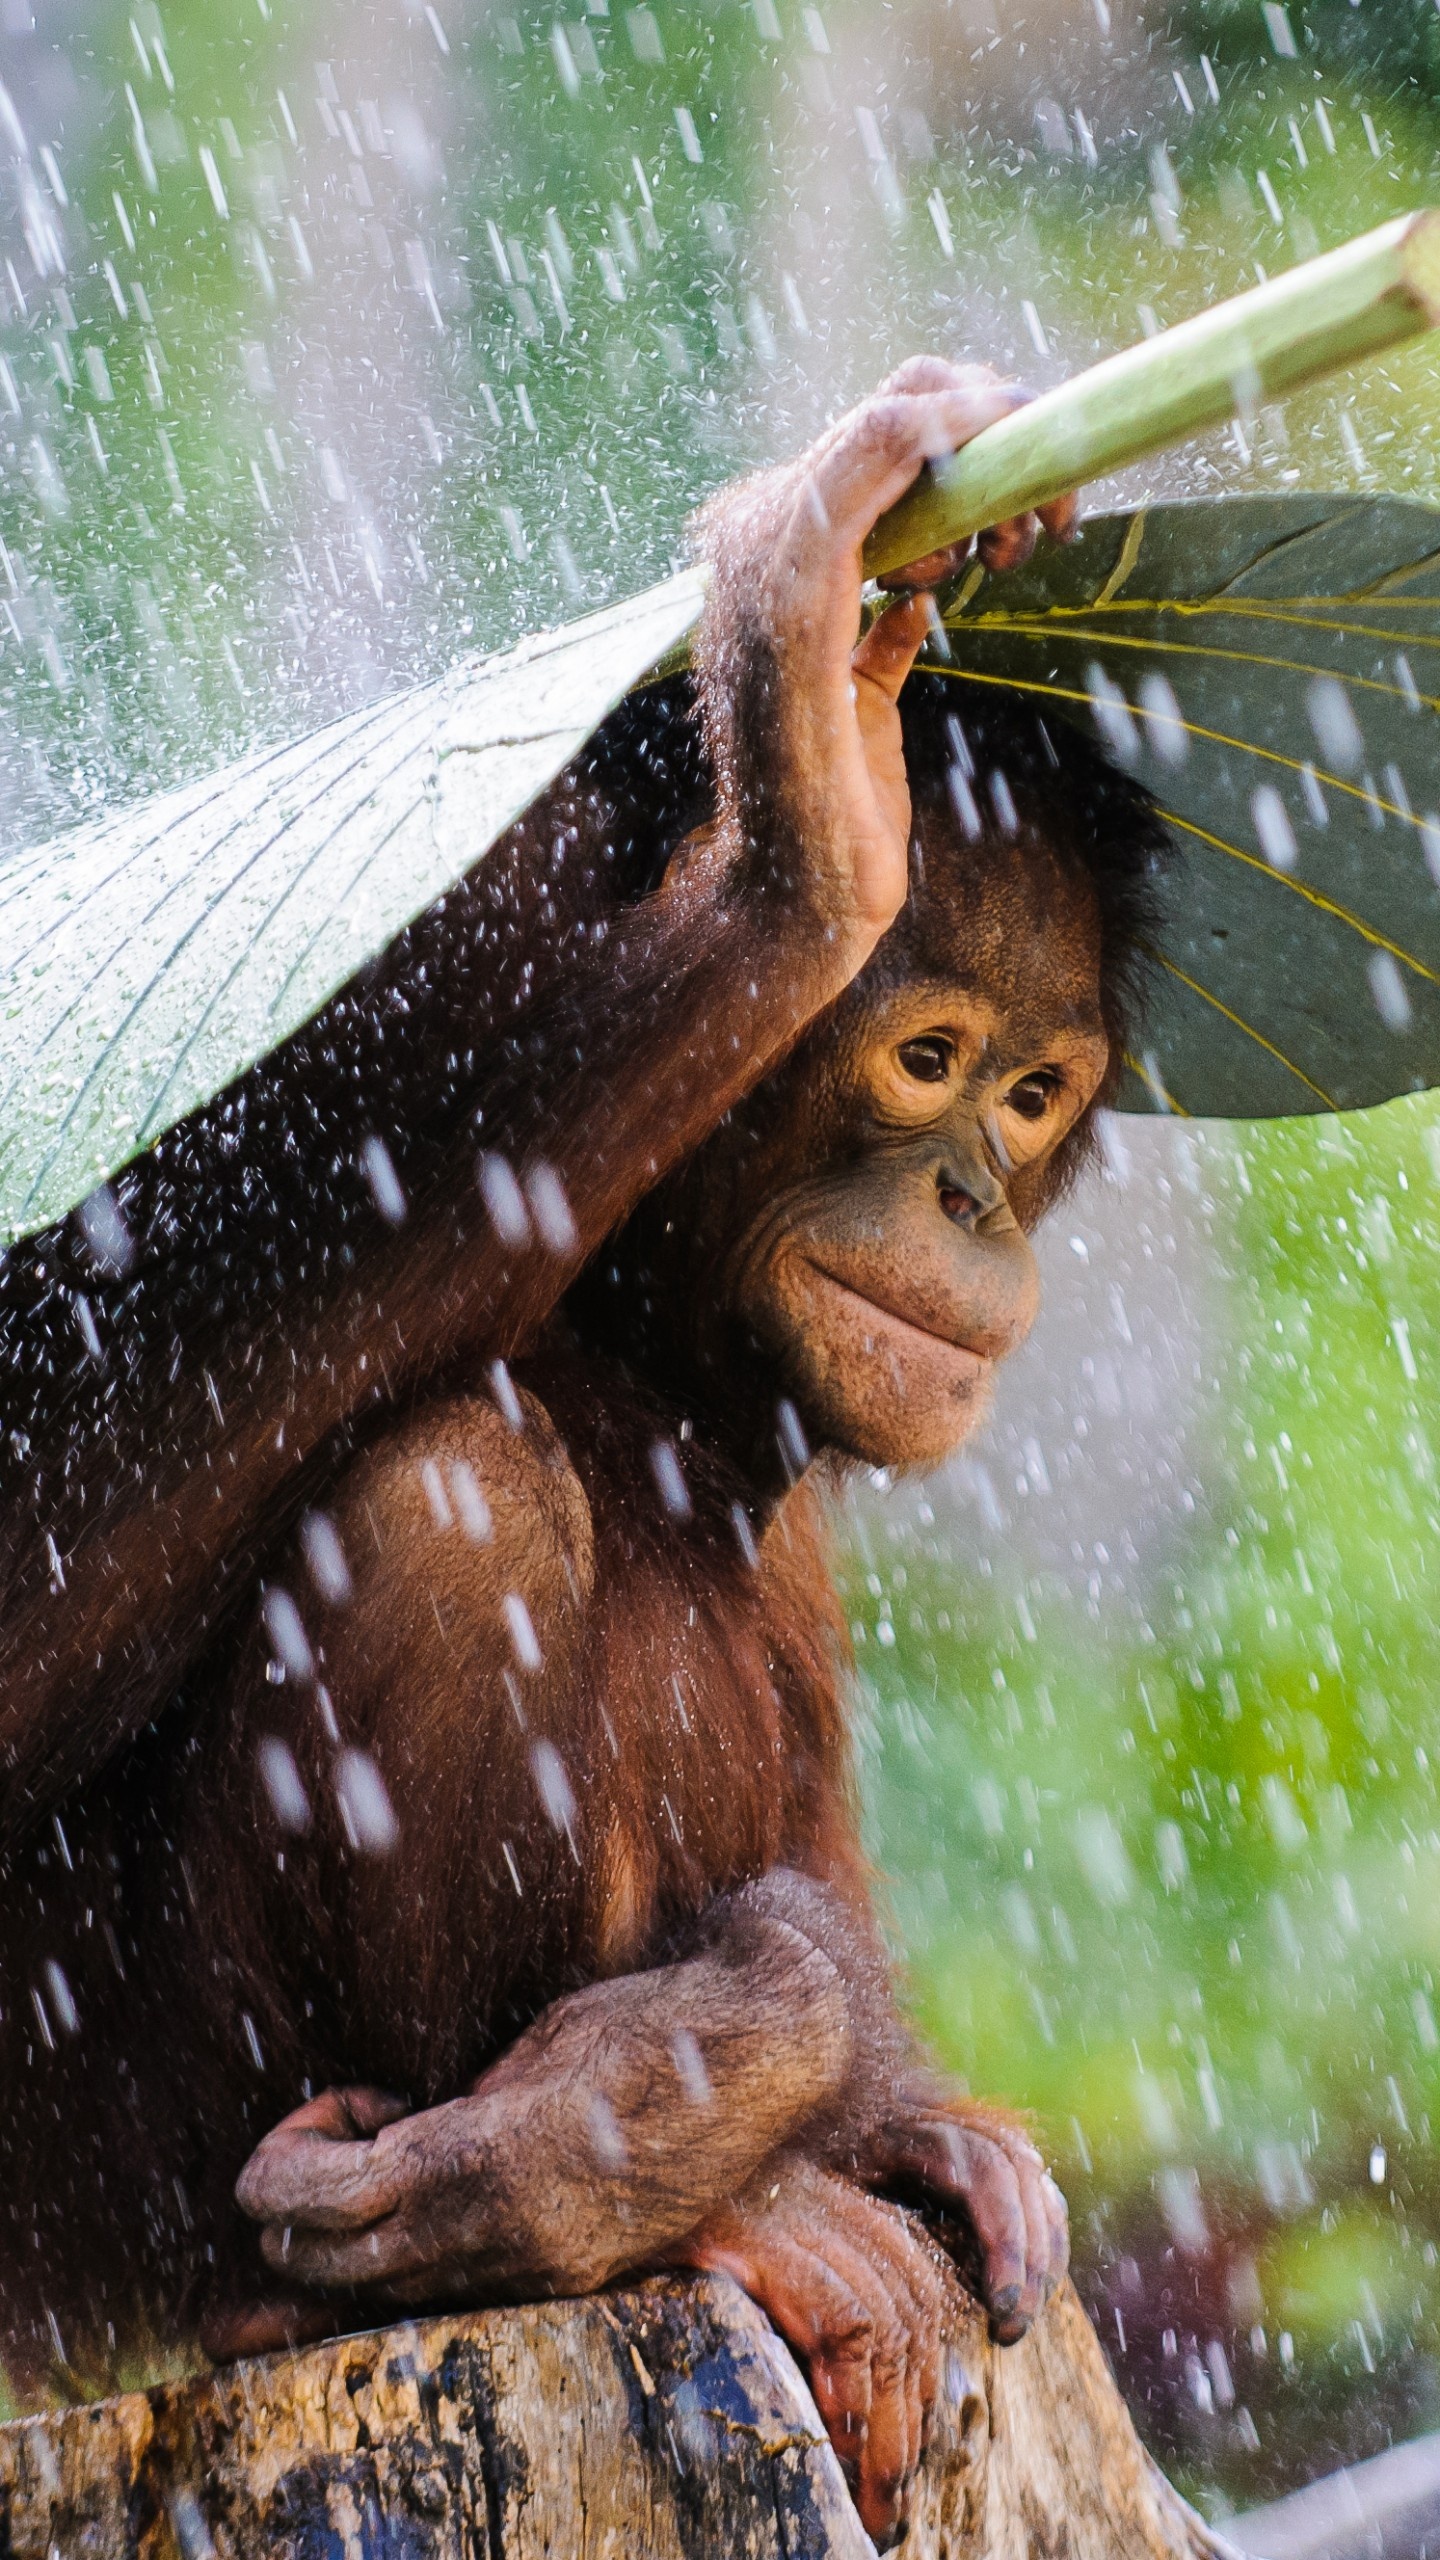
column 272, row 1340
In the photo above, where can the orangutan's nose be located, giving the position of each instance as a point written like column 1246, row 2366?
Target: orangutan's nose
column 968, row 1187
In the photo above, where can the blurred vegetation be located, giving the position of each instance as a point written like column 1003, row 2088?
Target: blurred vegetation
column 346, row 347
column 334, row 346
column 1379, row 49
column 1180, row 1892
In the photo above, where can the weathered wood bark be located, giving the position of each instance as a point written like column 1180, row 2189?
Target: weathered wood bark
column 666, row 2422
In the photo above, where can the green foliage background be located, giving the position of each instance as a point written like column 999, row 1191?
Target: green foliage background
column 1177, row 1892
column 1180, row 1892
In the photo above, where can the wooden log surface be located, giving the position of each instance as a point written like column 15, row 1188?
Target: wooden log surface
column 666, row 2420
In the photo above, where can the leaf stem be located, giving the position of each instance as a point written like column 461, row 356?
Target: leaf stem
column 1354, row 302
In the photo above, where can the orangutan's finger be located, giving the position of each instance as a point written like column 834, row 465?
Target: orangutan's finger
column 329, row 2259
column 318, row 2167
column 892, row 644
column 938, row 373
column 1009, row 545
column 932, row 571
column 264, row 2328
column 1061, row 517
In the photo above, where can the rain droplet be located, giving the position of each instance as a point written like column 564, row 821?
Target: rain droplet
column 964, row 804
column 1219, row 2364
column 1171, row 1862
column 89, row 1330
column 1394, row 781
column 61, row 1997
column 552, row 1783
column 1185, row 2210
column 365, row 1806
column 1392, row 1000
column 502, row 1387
column 214, row 181
column 1102, row 1856
column 1314, row 797
column 1287, row 1824
column 1113, row 716
column 606, row 2139
column 1405, row 678
column 192, row 2534
column 1279, row 29
column 325, row 1557
column 744, row 1534
column 1337, row 731
column 521, row 1627
column 670, row 1482
column 1002, row 801
column 1118, row 1161
column 283, row 1783
column 790, row 1434
column 551, row 1209
column 436, row 1495
column 1272, row 826
column 1153, row 2109
column 1166, row 734
column 504, row 1201
column 102, row 1224
column 564, row 61
column 471, row 1507
column 1035, row 325
column 689, row 2063
column 286, row 1630
column 378, row 1168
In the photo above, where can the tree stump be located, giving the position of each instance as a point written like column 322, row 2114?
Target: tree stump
column 665, row 2421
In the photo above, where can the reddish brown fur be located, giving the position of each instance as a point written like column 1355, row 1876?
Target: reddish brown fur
column 754, row 1772
column 624, row 1893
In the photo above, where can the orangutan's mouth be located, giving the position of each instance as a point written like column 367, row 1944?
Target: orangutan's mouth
column 899, row 1333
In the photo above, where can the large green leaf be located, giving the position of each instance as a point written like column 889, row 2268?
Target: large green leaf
column 154, row 956
column 151, row 958
column 1283, row 986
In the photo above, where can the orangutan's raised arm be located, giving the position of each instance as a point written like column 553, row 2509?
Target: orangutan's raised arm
column 156, row 1476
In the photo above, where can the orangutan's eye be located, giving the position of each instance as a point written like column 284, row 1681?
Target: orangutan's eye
column 928, row 1060
column 1033, row 1095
